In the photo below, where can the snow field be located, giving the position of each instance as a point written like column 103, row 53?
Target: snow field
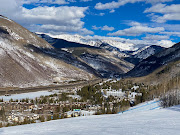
column 155, row 122
column 144, row 122
column 30, row 95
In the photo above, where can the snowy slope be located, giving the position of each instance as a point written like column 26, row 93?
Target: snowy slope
column 148, row 51
column 146, row 106
column 30, row 95
column 143, row 53
column 155, row 122
column 107, row 65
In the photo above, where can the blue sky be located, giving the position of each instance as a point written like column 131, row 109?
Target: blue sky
column 136, row 21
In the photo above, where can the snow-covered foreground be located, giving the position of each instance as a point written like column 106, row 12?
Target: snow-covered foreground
column 154, row 122
column 30, row 95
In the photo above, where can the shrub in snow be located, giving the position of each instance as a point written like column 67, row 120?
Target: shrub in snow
column 170, row 98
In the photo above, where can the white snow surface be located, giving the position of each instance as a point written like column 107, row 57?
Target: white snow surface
column 30, row 95
column 154, row 122
column 13, row 34
column 144, row 53
column 146, row 106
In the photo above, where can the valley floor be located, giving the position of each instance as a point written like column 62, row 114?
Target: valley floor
column 30, row 95
column 4, row 91
column 149, row 122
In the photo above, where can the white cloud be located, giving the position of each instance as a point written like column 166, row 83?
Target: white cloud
column 66, row 19
column 134, row 23
column 85, row 0
column 168, row 27
column 105, row 28
column 162, row 43
column 171, row 12
column 165, row 43
column 113, row 4
column 170, row 30
column 101, row 14
column 95, row 27
column 157, row 1
column 112, row 11
column 61, row 18
column 9, row 7
column 163, row 8
column 171, row 33
column 58, row 15
column 156, row 37
column 136, row 30
column 63, row 29
column 60, row 2
column 167, row 17
column 46, row 19
column 71, row 0
column 85, row 31
column 117, row 4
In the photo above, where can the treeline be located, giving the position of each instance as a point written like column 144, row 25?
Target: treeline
column 170, row 98
column 92, row 94
column 165, row 88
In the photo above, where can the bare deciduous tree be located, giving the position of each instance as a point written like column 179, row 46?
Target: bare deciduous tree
column 170, row 98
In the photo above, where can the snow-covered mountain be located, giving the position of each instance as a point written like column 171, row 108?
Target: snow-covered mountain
column 148, row 51
column 120, row 45
column 103, row 59
column 128, row 54
column 143, row 53
column 169, row 57
column 125, row 51
column 121, row 48
column 27, row 60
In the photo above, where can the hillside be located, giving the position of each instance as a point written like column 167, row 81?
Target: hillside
column 116, row 46
column 163, row 58
column 160, row 121
column 27, row 60
column 104, row 61
column 144, row 53
column 110, row 58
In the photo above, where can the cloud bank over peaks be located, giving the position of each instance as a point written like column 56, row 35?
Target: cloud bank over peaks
column 137, row 29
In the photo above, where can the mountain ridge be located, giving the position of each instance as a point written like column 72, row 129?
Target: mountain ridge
column 101, row 59
column 22, row 66
column 158, row 60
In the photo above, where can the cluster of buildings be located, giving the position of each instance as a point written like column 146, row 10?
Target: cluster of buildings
column 120, row 95
column 79, row 112
column 20, row 117
column 19, row 111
